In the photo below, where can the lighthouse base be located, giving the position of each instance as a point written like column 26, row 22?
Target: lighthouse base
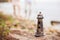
column 39, row 35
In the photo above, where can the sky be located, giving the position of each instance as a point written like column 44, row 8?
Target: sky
column 49, row 8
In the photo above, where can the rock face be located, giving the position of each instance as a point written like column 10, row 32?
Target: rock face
column 21, row 37
column 9, row 37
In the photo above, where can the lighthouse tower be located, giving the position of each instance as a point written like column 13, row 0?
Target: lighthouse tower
column 39, row 31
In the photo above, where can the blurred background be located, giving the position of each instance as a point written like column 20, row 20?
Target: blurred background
column 29, row 9
column 19, row 18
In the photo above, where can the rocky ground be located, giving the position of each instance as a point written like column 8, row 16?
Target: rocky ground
column 23, row 34
column 24, row 29
column 22, row 37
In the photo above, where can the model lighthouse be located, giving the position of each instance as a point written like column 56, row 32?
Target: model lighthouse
column 39, row 25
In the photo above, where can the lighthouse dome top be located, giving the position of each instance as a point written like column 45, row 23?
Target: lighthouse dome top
column 40, row 16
